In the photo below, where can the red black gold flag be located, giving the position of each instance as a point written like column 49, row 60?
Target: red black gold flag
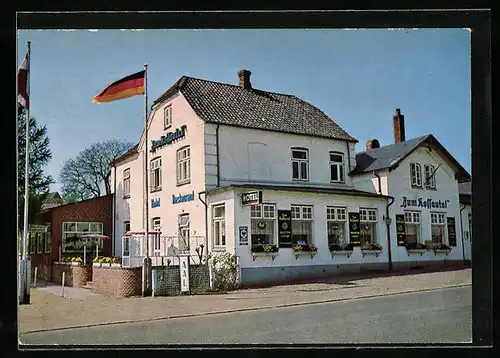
column 126, row 87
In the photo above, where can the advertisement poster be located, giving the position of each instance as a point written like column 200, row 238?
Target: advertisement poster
column 285, row 228
column 243, row 235
column 452, row 234
column 400, row 229
column 354, row 233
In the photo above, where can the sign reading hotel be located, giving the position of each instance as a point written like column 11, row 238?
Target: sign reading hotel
column 452, row 234
column 354, row 232
column 182, row 198
column 285, row 228
column 184, row 267
column 169, row 138
column 400, row 229
column 251, row 198
column 424, row 203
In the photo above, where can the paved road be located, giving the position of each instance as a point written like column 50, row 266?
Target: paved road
column 442, row 316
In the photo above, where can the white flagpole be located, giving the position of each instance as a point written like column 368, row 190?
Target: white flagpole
column 146, row 268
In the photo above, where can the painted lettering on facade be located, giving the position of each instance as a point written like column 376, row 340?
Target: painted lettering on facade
column 168, row 138
column 424, row 203
column 182, row 198
column 155, row 203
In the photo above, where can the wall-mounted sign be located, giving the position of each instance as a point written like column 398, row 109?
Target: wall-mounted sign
column 285, row 228
column 243, row 235
column 452, row 234
column 261, row 225
column 182, row 198
column 155, row 203
column 37, row 228
column 400, row 229
column 184, row 267
column 354, row 232
column 251, row 198
column 424, row 203
column 168, row 138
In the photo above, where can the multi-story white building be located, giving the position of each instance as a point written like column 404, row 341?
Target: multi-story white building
column 237, row 167
column 465, row 191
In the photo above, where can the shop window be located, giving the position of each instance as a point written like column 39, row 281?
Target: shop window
column 262, row 224
column 184, row 236
column 219, row 226
column 302, row 224
column 300, row 164
column 412, row 227
column 430, row 177
column 368, row 225
column 155, row 180
column 438, row 227
column 167, row 117
column 72, row 243
column 183, row 166
column 335, row 225
column 416, row 175
column 336, row 167
column 156, row 239
column 126, row 183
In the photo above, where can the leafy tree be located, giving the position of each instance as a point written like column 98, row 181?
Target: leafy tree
column 88, row 175
column 39, row 156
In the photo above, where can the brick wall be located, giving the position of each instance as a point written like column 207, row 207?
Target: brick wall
column 117, row 281
column 43, row 264
column 167, row 280
column 75, row 276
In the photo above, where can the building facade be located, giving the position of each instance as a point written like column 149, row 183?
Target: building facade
column 465, row 191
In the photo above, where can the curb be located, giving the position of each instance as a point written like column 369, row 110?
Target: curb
column 285, row 305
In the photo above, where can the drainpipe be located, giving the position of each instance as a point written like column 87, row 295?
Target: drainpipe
column 217, row 153
column 389, row 232
column 206, row 219
column 348, row 156
column 379, row 183
column 462, row 233
column 113, row 223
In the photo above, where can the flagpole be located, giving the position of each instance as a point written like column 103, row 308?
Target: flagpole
column 146, row 269
column 26, row 186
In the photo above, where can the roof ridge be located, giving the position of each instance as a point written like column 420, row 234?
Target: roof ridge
column 423, row 137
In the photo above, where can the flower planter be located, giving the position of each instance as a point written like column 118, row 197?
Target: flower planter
column 116, row 265
column 442, row 251
column 371, row 252
column 105, row 264
column 346, row 253
column 272, row 255
column 96, row 264
column 304, row 253
column 76, row 263
column 416, row 251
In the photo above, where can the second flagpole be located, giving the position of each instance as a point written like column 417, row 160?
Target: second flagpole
column 146, row 270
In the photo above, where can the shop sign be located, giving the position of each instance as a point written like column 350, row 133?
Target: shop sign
column 400, row 229
column 37, row 228
column 452, row 234
column 182, row 198
column 243, row 235
column 424, row 203
column 354, row 232
column 251, row 198
column 155, row 203
column 184, row 267
column 168, row 138
column 285, row 228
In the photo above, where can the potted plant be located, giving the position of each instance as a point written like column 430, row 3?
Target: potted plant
column 265, row 250
column 371, row 248
column 341, row 249
column 115, row 262
column 96, row 262
column 415, row 248
column 76, row 261
column 304, row 249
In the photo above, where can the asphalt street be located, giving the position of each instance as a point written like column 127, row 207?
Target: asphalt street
column 441, row 316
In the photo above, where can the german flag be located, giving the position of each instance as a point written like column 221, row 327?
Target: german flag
column 126, row 87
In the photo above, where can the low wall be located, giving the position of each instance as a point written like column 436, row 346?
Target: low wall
column 117, row 281
column 168, row 282
column 75, row 276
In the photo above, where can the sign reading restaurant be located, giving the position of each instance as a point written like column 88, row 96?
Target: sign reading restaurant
column 182, row 198
column 251, row 198
column 169, row 138
column 424, row 203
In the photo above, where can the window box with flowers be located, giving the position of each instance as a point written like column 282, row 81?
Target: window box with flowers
column 339, row 249
column 106, row 262
column 416, row 249
column 265, row 250
column 371, row 248
column 300, row 250
column 73, row 261
column 441, row 248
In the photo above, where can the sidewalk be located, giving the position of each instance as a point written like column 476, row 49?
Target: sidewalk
column 49, row 311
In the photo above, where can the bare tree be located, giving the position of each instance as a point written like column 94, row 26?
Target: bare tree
column 88, row 175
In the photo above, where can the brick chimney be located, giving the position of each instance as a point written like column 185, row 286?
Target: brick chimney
column 372, row 144
column 244, row 76
column 399, row 126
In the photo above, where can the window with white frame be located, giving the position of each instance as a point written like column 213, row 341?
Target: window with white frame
column 219, row 225
column 368, row 223
column 336, row 167
column 183, row 166
column 72, row 243
column 416, row 175
column 300, row 164
column 438, row 227
column 412, row 227
column 262, row 224
column 429, row 177
column 167, row 117
column 156, row 226
column 335, row 225
column 184, row 232
column 302, row 224
column 155, row 174
column 126, row 183
column 126, row 242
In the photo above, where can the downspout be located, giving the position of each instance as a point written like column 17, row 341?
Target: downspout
column 348, row 156
column 462, row 233
column 389, row 232
column 379, row 183
column 206, row 219
column 217, row 154
column 113, row 223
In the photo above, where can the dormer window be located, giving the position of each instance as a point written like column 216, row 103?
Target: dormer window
column 300, row 164
column 167, row 119
column 336, row 167
column 416, row 175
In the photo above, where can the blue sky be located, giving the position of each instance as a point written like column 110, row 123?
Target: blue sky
column 357, row 77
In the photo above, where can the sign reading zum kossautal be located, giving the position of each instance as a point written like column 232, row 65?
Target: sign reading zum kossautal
column 452, row 234
column 285, row 228
column 168, row 138
column 424, row 203
column 400, row 229
column 354, row 232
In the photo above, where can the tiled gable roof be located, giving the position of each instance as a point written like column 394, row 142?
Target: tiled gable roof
column 228, row 104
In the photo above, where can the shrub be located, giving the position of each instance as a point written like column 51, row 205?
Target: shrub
column 224, row 271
